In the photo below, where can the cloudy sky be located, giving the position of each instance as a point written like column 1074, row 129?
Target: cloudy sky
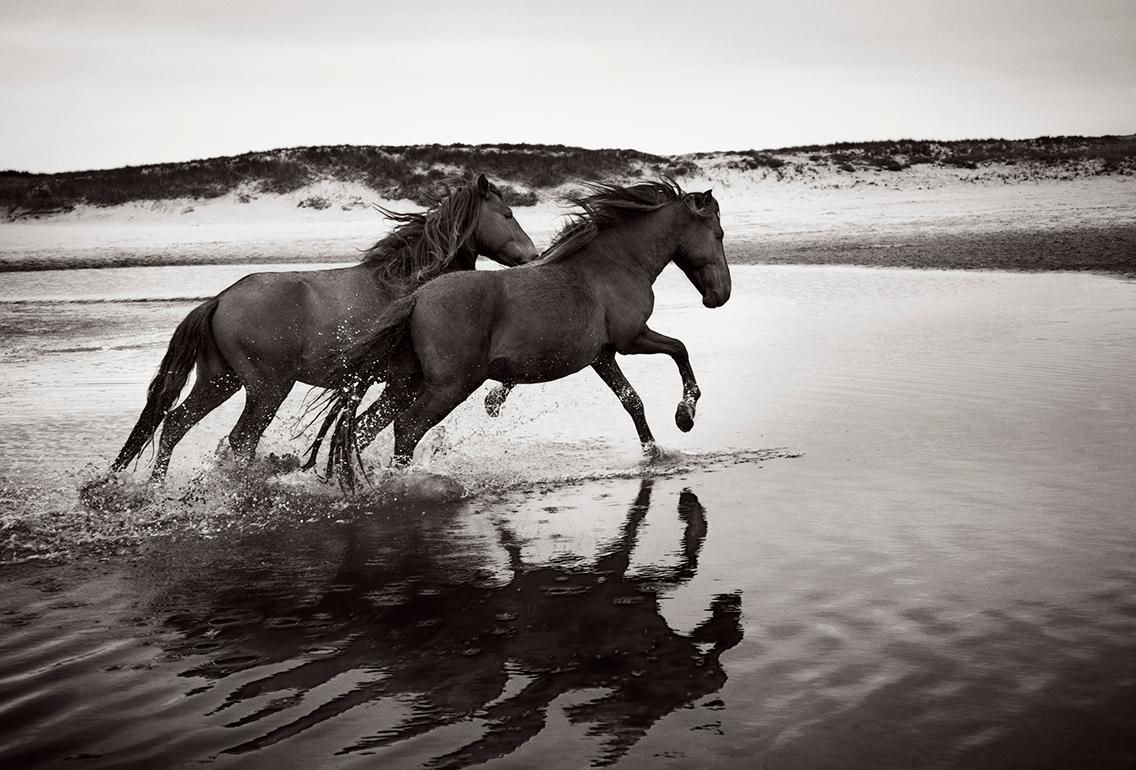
column 88, row 84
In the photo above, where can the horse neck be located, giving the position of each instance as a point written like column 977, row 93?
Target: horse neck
column 643, row 246
column 464, row 259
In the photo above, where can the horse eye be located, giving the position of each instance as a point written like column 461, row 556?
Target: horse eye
column 508, row 215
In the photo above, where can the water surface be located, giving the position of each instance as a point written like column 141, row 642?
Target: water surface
column 944, row 576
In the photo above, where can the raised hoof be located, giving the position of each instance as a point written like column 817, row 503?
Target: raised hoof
column 684, row 416
column 494, row 400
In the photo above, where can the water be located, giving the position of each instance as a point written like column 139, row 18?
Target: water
column 901, row 534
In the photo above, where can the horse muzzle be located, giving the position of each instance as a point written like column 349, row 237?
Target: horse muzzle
column 713, row 283
column 716, row 296
column 521, row 253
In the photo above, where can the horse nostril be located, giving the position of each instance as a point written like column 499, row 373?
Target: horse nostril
column 716, row 297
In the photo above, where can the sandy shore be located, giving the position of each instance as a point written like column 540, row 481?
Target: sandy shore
column 917, row 218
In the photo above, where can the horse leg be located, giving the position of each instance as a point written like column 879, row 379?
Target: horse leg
column 495, row 399
column 649, row 342
column 608, row 370
column 261, row 402
column 206, row 395
column 396, row 398
column 429, row 409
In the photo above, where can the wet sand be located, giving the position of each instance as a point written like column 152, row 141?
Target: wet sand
column 1104, row 249
column 900, row 534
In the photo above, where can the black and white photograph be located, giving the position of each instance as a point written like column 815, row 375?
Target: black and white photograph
column 568, row 384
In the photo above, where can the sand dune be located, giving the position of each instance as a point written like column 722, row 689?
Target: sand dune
column 998, row 215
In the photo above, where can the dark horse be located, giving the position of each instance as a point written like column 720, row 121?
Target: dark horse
column 588, row 298
column 269, row 331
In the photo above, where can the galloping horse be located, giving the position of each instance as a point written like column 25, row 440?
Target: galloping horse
column 269, row 331
column 588, row 298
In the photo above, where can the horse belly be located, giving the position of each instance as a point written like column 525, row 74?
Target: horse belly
column 541, row 360
column 543, row 330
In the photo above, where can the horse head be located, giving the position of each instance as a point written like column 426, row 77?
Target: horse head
column 700, row 253
column 496, row 234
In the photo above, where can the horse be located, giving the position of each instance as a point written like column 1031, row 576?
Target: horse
column 269, row 331
column 585, row 300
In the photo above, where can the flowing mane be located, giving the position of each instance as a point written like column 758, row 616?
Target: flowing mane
column 424, row 243
column 605, row 206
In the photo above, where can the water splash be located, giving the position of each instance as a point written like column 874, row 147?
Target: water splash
column 106, row 514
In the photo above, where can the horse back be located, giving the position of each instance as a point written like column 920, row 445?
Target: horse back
column 288, row 325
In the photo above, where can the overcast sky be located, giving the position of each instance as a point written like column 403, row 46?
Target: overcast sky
column 86, row 84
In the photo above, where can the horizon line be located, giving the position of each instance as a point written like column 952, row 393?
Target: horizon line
column 786, row 148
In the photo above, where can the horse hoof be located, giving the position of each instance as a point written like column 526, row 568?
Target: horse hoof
column 494, row 400
column 684, row 416
column 281, row 464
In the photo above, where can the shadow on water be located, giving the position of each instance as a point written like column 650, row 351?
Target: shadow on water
column 400, row 614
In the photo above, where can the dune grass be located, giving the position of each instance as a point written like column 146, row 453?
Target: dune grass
column 524, row 171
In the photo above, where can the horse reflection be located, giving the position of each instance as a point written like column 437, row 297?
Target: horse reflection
column 457, row 644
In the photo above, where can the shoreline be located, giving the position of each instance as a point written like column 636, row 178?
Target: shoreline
column 922, row 218
column 1083, row 248
column 1103, row 249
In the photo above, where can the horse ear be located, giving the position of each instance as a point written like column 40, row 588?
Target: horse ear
column 483, row 185
column 702, row 201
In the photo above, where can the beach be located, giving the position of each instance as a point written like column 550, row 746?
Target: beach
column 1007, row 217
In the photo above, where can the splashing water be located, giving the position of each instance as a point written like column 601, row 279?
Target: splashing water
column 115, row 513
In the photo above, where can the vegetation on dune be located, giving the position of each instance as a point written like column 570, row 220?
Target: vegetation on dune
column 523, row 171
column 417, row 173
column 1111, row 153
column 746, row 160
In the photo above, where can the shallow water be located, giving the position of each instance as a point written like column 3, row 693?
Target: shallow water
column 943, row 578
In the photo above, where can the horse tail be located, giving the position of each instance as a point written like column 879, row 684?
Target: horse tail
column 344, row 454
column 187, row 342
column 367, row 359
column 363, row 364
